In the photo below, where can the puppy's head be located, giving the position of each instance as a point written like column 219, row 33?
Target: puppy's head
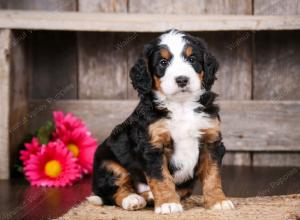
column 174, row 65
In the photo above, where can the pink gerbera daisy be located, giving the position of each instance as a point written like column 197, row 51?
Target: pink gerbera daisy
column 31, row 149
column 82, row 146
column 75, row 135
column 66, row 122
column 53, row 166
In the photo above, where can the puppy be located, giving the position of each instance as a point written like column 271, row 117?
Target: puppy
column 172, row 138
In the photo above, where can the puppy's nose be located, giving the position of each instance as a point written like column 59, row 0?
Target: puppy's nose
column 182, row 81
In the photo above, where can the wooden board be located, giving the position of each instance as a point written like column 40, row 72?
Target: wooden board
column 102, row 5
column 5, row 39
column 20, row 72
column 53, row 5
column 74, row 21
column 191, row 7
column 135, row 48
column 276, row 7
column 54, row 65
column 246, row 125
column 102, row 66
column 237, row 159
column 276, row 66
column 276, row 159
column 233, row 51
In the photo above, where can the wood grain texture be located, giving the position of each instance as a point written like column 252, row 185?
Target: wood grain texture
column 233, row 51
column 142, row 22
column 102, row 66
column 20, row 73
column 103, row 5
column 5, row 40
column 276, row 159
column 237, row 159
column 276, row 66
column 134, row 50
column 246, row 125
column 276, row 7
column 53, row 5
column 191, row 7
column 54, row 65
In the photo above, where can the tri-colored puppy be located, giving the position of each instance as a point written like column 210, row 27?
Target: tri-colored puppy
column 171, row 138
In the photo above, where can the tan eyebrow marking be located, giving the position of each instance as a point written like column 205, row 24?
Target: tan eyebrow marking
column 165, row 53
column 188, row 51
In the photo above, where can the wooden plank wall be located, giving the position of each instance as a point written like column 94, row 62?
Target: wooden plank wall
column 19, row 98
column 254, row 66
column 233, row 7
column 5, row 39
column 53, row 5
column 54, row 60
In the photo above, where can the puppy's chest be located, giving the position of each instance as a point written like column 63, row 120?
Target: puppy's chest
column 185, row 125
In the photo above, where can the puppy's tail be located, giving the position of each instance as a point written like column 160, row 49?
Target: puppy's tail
column 95, row 200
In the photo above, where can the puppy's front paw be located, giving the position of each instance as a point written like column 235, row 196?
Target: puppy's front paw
column 223, row 205
column 168, row 208
column 133, row 202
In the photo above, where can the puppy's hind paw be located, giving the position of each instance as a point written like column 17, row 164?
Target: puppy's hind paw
column 133, row 202
column 95, row 200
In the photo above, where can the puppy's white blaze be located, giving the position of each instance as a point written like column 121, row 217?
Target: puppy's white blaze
column 95, row 200
column 178, row 66
column 175, row 42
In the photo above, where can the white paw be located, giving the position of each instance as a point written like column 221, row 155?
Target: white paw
column 168, row 208
column 133, row 202
column 224, row 205
column 95, row 200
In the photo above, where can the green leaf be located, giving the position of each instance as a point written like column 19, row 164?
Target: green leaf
column 18, row 168
column 44, row 132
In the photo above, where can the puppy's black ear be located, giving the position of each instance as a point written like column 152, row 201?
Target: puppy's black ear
column 141, row 77
column 210, row 66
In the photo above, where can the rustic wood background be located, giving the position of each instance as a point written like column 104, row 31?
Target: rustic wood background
column 87, row 73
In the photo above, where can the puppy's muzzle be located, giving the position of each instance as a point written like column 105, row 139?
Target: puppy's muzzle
column 182, row 81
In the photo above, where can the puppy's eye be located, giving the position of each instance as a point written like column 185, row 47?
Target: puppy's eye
column 191, row 59
column 163, row 63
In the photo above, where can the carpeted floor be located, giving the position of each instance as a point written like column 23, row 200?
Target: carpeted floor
column 264, row 208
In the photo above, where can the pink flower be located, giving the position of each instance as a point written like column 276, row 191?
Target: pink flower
column 82, row 146
column 53, row 166
column 75, row 135
column 31, row 149
column 65, row 123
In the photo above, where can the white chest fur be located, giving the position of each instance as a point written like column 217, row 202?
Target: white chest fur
column 185, row 125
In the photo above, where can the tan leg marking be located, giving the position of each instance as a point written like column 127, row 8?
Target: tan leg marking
column 125, row 196
column 210, row 177
column 123, row 181
column 184, row 193
column 148, row 196
column 163, row 190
